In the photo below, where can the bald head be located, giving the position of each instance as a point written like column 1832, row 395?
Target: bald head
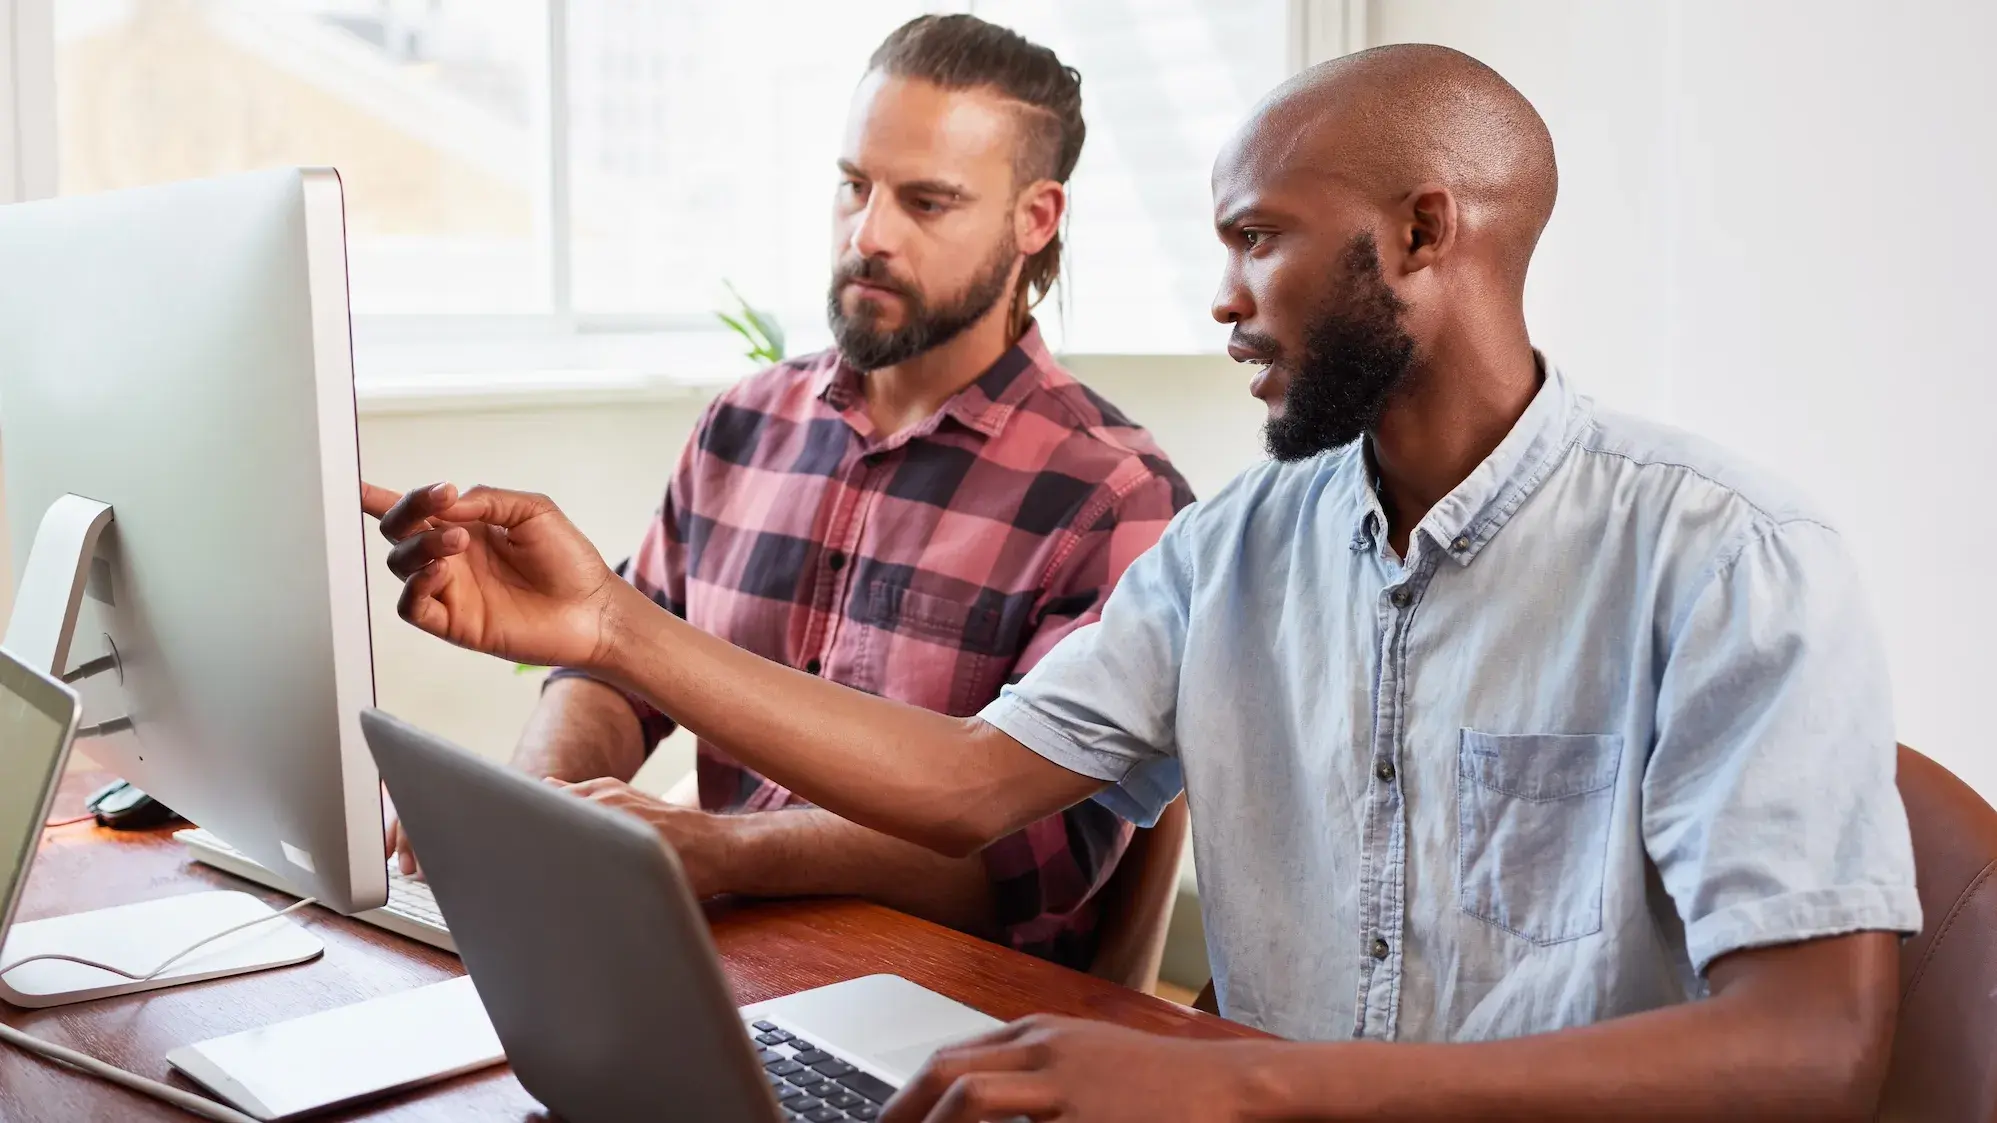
column 1389, row 120
column 1380, row 212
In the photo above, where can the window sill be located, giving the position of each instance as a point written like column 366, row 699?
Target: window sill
column 493, row 390
column 418, row 366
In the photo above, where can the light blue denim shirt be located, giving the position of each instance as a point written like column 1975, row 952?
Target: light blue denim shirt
column 1622, row 711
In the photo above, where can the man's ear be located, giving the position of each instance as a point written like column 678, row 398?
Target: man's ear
column 1037, row 216
column 1429, row 223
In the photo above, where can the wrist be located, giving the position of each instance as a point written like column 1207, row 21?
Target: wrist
column 749, row 847
column 619, row 630
column 704, row 843
column 1285, row 1080
column 1261, row 1089
column 713, row 854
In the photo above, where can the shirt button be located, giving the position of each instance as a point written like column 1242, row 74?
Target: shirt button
column 812, row 667
column 837, row 562
column 1401, row 598
column 1385, row 771
column 1461, row 544
column 1379, row 948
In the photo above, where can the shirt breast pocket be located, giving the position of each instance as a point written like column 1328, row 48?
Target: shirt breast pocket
column 1533, row 823
column 929, row 651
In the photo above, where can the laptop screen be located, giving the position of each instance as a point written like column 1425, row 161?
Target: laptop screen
column 35, row 721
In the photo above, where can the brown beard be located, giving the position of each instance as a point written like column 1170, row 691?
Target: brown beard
column 868, row 347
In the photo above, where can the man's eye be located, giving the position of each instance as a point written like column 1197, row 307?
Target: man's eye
column 853, row 188
column 1252, row 238
column 926, row 206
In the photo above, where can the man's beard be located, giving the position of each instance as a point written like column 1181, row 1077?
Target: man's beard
column 868, row 347
column 1355, row 357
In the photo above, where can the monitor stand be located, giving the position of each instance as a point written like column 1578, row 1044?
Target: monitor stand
column 138, row 937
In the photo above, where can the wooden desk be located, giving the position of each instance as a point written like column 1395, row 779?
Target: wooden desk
column 769, row 950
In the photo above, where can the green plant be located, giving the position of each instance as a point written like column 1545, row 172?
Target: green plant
column 757, row 328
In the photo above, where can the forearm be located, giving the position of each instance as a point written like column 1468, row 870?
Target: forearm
column 949, row 784
column 811, row 852
column 1748, row 1059
column 581, row 730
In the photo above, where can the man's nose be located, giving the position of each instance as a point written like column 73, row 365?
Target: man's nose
column 878, row 231
column 1231, row 302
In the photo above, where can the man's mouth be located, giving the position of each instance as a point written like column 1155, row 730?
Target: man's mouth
column 869, row 290
column 1260, row 386
column 1266, row 362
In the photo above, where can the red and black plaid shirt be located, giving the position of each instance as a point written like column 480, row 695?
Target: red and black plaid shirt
column 932, row 567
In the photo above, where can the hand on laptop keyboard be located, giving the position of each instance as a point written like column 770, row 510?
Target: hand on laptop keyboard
column 1044, row 1066
column 395, row 841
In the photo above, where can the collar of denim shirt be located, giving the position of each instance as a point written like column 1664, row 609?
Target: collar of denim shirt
column 1473, row 513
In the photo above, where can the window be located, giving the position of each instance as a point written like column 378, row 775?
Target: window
column 433, row 113
column 703, row 138
column 1164, row 83
column 567, row 184
column 694, row 163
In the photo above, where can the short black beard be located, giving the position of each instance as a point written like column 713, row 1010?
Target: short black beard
column 1356, row 355
column 867, row 348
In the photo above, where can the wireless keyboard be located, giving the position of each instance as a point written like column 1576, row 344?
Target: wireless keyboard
column 411, row 910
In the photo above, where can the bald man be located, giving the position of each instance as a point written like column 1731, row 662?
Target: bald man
column 1540, row 757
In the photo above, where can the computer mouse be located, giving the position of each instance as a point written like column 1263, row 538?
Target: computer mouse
column 122, row 807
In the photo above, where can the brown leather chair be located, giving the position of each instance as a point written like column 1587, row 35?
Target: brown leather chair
column 1137, row 903
column 1945, row 1052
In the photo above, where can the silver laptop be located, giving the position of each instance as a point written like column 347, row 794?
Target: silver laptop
column 594, row 962
column 38, row 717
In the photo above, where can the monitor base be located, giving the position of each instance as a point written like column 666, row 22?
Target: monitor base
column 138, row 938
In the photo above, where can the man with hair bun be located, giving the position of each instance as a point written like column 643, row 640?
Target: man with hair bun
column 921, row 512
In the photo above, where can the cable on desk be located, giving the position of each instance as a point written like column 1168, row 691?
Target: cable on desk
column 82, row 1062
column 186, row 1101
column 54, row 823
column 175, row 958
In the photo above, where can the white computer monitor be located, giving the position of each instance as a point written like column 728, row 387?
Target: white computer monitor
column 182, row 356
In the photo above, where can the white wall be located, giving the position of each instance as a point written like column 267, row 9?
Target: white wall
column 1772, row 231
column 607, row 465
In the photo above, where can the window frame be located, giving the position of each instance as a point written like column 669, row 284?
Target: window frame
column 27, row 100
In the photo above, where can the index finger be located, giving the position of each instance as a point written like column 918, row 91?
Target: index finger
column 377, row 500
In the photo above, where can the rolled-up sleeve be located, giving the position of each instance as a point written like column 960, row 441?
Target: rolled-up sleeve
column 1769, row 802
column 1104, row 702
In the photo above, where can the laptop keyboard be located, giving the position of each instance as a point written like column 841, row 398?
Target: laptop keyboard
column 811, row 1083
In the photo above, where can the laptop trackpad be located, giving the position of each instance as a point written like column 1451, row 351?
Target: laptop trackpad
column 884, row 1021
